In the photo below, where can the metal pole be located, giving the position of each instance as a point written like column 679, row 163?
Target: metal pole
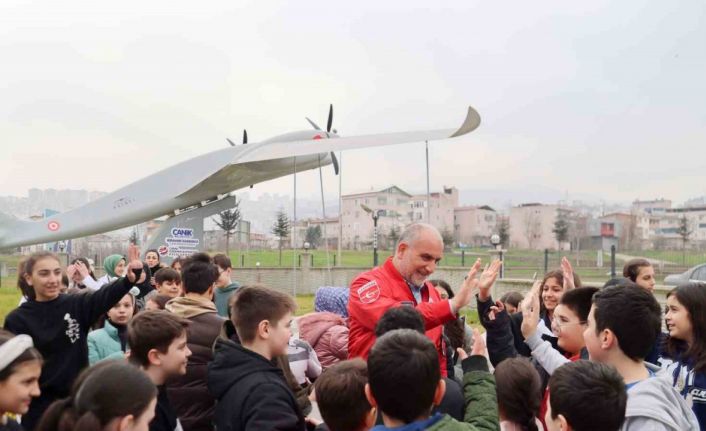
column 612, row 261
column 546, row 260
column 463, row 258
column 340, row 208
column 294, row 234
column 426, row 143
column 502, row 264
column 323, row 213
column 375, row 240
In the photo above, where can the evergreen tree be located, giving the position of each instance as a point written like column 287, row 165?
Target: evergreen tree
column 561, row 227
column 313, row 236
column 281, row 230
column 448, row 237
column 504, row 231
column 228, row 221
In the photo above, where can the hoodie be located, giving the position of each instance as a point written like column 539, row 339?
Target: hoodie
column 221, row 296
column 189, row 394
column 653, row 404
column 251, row 392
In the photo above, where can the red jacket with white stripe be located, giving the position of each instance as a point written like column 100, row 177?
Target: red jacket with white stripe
column 374, row 292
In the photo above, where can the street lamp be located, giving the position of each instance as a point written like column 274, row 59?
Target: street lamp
column 495, row 240
column 375, row 215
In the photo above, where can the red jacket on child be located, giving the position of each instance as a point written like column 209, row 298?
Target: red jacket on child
column 374, row 292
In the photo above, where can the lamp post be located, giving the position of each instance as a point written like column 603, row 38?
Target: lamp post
column 375, row 215
column 495, row 240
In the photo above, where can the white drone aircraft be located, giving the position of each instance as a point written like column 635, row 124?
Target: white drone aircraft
column 207, row 178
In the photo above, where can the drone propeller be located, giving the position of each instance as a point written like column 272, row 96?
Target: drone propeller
column 329, row 123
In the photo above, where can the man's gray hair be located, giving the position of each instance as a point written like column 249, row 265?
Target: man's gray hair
column 412, row 233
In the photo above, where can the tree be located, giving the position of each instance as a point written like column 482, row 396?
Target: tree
column 394, row 235
column 133, row 237
column 684, row 232
column 503, row 227
column 561, row 227
column 313, row 235
column 281, row 230
column 532, row 226
column 229, row 220
column 448, row 237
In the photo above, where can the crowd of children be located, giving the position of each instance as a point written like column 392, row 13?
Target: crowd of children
column 184, row 347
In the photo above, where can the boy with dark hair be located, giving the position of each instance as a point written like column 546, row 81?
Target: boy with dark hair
column 586, row 396
column 189, row 393
column 403, row 317
column 157, row 341
column 623, row 325
column 340, row 394
column 167, row 282
column 225, row 287
column 251, row 391
column 406, row 317
column 405, row 382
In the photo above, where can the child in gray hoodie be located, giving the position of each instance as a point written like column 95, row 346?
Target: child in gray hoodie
column 623, row 325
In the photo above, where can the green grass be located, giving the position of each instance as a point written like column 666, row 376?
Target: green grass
column 9, row 298
column 270, row 258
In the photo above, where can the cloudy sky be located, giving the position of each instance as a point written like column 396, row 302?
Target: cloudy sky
column 601, row 98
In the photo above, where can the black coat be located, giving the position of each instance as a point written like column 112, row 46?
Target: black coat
column 251, row 392
column 59, row 329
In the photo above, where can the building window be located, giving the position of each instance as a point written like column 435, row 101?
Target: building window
column 382, row 201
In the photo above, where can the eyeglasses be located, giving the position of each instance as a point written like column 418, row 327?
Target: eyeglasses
column 556, row 326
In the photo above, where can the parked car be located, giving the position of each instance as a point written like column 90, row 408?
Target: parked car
column 696, row 273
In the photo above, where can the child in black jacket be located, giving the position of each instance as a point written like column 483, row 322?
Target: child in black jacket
column 59, row 324
column 251, row 391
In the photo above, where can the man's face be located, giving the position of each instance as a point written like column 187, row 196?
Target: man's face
column 174, row 361
column 418, row 260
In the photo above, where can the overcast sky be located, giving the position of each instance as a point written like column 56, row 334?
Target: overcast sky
column 600, row 98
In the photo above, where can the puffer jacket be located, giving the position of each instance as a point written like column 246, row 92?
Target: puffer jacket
column 327, row 333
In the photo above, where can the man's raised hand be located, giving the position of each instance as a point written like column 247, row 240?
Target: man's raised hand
column 465, row 293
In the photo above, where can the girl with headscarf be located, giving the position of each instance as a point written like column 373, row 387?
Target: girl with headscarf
column 114, row 267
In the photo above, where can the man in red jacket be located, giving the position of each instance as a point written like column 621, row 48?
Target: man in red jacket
column 401, row 280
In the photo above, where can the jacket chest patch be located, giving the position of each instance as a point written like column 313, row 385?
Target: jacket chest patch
column 369, row 292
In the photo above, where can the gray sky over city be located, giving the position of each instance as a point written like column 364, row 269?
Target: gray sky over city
column 600, row 98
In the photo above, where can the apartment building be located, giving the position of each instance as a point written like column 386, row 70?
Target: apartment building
column 473, row 226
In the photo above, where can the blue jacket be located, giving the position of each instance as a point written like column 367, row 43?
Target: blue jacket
column 689, row 383
column 104, row 343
